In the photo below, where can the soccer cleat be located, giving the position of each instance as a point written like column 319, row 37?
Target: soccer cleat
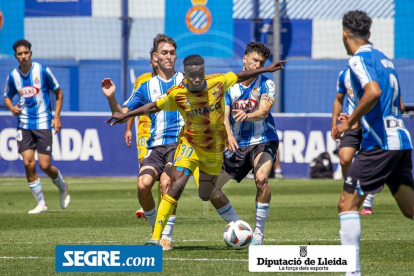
column 250, row 175
column 151, row 242
column 64, row 197
column 366, row 211
column 39, row 209
column 166, row 245
column 257, row 238
column 279, row 175
column 140, row 214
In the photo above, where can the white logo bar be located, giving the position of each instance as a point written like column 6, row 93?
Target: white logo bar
column 302, row 258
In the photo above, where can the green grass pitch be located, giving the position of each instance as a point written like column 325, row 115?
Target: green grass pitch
column 102, row 212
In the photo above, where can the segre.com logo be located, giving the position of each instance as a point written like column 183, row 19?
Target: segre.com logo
column 108, row 258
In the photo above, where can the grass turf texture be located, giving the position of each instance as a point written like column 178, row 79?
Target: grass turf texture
column 102, row 212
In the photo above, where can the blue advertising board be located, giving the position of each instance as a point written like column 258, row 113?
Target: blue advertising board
column 86, row 146
column 200, row 27
column 58, row 8
column 11, row 25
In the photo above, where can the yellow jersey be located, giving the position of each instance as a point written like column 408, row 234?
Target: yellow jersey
column 144, row 122
column 203, row 112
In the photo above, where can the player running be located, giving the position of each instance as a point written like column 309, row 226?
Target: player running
column 385, row 155
column 200, row 99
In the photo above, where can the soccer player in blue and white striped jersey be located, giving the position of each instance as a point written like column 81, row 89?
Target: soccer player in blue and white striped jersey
column 385, row 155
column 165, row 128
column 32, row 82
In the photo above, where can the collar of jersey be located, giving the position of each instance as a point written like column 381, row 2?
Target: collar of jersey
column 251, row 84
column 364, row 48
column 172, row 78
column 28, row 72
column 194, row 92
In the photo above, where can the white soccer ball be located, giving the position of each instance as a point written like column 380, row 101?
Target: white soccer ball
column 238, row 234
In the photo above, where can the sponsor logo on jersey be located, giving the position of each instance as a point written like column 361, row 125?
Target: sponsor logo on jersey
column 245, row 105
column 29, row 91
column 204, row 110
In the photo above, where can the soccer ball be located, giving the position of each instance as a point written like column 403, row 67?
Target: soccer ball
column 238, row 234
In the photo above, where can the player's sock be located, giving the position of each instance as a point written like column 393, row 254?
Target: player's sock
column 262, row 211
column 169, row 228
column 368, row 201
column 36, row 188
column 278, row 170
column 227, row 213
column 58, row 181
column 164, row 212
column 151, row 215
column 350, row 232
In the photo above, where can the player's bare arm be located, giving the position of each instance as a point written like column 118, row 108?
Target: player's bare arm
column 56, row 123
column 128, row 132
column 232, row 142
column 259, row 115
column 336, row 111
column 372, row 94
column 15, row 110
column 245, row 75
column 109, row 88
column 119, row 118
column 402, row 107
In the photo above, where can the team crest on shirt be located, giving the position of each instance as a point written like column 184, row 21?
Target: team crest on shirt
column 187, row 102
column 255, row 92
column 350, row 92
column 216, row 93
column 29, row 91
column 36, row 81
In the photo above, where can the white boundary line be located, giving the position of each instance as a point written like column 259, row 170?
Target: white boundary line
column 165, row 259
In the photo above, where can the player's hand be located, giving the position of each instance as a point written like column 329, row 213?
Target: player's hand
column 232, row 143
column 116, row 118
column 345, row 117
column 16, row 110
column 108, row 87
column 239, row 115
column 276, row 66
column 56, row 124
column 128, row 138
column 341, row 128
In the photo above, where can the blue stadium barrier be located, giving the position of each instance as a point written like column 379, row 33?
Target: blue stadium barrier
column 87, row 146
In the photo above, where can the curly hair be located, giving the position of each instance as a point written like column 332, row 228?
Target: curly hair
column 357, row 23
column 160, row 38
column 22, row 42
column 193, row 60
column 259, row 48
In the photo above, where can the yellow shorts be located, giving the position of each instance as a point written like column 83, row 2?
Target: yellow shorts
column 142, row 146
column 188, row 157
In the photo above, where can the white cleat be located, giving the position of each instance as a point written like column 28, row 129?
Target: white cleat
column 64, row 197
column 257, row 238
column 39, row 209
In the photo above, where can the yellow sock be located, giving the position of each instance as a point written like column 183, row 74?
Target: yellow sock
column 164, row 212
column 159, row 194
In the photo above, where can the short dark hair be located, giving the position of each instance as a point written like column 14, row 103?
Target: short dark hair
column 259, row 48
column 22, row 42
column 151, row 53
column 160, row 38
column 357, row 23
column 193, row 60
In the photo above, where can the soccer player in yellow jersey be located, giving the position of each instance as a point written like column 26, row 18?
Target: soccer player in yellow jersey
column 200, row 100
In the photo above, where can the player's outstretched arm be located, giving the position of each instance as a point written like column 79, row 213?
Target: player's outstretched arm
column 128, row 132
column 245, row 75
column 118, row 117
column 109, row 88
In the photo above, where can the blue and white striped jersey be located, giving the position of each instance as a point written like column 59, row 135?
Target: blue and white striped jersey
column 248, row 99
column 165, row 125
column 33, row 89
column 382, row 125
column 344, row 86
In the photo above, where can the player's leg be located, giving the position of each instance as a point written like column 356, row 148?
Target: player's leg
column 146, row 179
column 43, row 140
column 278, row 167
column 264, row 157
column 142, row 152
column 346, row 155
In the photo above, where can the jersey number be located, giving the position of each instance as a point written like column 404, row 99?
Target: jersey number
column 395, row 105
column 141, row 142
column 187, row 151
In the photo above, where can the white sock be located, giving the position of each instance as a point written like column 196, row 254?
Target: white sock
column 58, row 181
column 278, row 170
column 169, row 228
column 368, row 201
column 350, row 232
column 151, row 216
column 36, row 188
column 227, row 213
column 262, row 211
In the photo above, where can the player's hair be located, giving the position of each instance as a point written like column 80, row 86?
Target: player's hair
column 193, row 60
column 357, row 23
column 259, row 48
column 162, row 38
column 151, row 53
column 22, row 42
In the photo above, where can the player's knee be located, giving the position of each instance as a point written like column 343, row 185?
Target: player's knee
column 165, row 184
column 408, row 213
column 261, row 180
column 344, row 162
column 44, row 166
column 29, row 164
column 145, row 183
